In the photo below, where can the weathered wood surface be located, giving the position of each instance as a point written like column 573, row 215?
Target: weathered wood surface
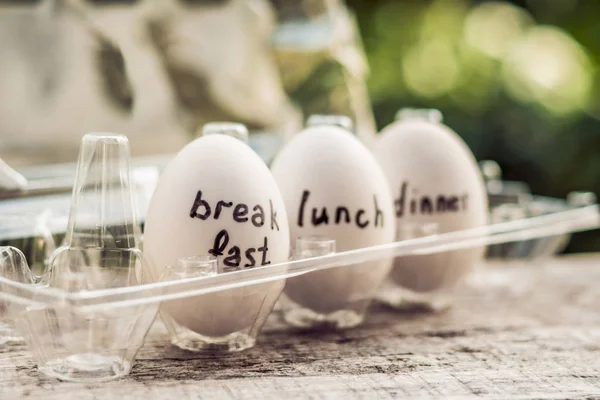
column 516, row 332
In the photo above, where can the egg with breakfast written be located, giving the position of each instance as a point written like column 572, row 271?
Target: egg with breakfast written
column 333, row 187
column 434, row 179
column 217, row 197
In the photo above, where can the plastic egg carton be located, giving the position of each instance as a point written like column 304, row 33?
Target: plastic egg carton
column 94, row 334
column 85, row 315
column 535, row 248
column 513, row 201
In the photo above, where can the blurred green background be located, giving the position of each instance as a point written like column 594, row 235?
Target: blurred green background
column 517, row 80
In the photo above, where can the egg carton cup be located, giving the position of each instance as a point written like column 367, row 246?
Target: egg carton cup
column 513, row 200
column 79, row 332
column 195, row 323
column 68, row 343
column 534, row 249
column 100, row 252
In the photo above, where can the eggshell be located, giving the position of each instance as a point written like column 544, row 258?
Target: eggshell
column 208, row 170
column 327, row 167
column 429, row 163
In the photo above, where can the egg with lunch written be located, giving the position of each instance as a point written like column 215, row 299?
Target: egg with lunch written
column 333, row 187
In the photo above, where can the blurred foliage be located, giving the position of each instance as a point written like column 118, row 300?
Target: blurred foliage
column 517, row 80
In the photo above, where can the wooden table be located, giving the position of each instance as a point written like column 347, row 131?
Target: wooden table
column 517, row 331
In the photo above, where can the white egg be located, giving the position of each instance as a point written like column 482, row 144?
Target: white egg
column 333, row 187
column 218, row 197
column 434, row 179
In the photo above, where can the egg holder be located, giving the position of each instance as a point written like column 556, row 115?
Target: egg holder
column 87, row 314
column 100, row 252
column 93, row 335
column 535, row 248
column 512, row 200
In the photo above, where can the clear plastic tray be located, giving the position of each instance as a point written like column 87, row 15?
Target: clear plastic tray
column 558, row 223
column 94, row 335
column 86, row 313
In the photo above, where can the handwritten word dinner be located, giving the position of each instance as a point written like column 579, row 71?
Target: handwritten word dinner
column 423, row 204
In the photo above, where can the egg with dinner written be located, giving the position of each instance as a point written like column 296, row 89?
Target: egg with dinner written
column 217, row 197
column 333, row 187
column 435, row 180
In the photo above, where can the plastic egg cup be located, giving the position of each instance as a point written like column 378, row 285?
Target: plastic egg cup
column 68, row 340
column 244, row 339
column 73, row 344
column 396, row 295
column 342, row 315
column 12, row 262
column 513, row 201
column 181, row 315
column 86, row 347
column 301, row 317
column 406, row 300
column 538, row 249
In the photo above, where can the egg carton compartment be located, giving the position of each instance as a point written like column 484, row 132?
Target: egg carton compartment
column 513, row 200
column 537, row 248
